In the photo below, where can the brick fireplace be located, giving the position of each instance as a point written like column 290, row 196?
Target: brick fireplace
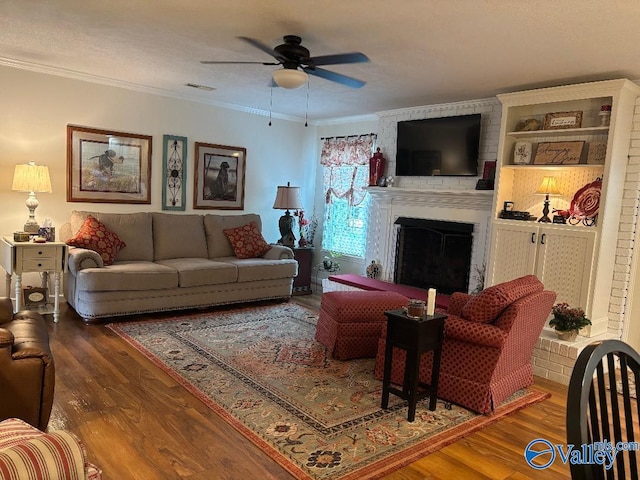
column 388, row 205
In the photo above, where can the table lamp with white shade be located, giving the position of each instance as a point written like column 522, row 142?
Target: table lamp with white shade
column 287, row 198
column 33, row 179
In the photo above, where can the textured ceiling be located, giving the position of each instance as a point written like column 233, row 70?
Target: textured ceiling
column 422, row 51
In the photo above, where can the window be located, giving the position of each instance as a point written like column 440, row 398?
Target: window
column 345, row 177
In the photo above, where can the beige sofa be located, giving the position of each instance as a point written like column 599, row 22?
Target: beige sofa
column 170, row 262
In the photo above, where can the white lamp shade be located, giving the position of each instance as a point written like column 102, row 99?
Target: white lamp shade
column 288, row 198
column 31, row 178
column 290, row 78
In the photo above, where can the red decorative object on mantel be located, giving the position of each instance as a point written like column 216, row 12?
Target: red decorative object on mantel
column 376, row 168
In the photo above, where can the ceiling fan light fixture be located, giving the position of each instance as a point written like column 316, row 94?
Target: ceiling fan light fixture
column 290, row 78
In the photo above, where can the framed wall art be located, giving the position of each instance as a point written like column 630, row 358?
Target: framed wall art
column 174, row 172
column 219, row 177
column 105, row 166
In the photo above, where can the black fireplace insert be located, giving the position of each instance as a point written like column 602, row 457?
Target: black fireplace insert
column 433, row 254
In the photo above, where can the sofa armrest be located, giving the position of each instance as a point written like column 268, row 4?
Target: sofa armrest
column 6, row 310
column 456, row 301
column 81, row 258
column 6, row 339
column 457, row 328
column 279, row 252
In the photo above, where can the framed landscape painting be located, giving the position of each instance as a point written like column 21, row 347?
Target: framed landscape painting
column 105, row 166
column 219, row 177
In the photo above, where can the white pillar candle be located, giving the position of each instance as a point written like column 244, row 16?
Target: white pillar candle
column 431, row 301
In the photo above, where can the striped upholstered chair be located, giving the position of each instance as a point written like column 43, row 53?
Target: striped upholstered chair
column 27, row 453
column 488, row 344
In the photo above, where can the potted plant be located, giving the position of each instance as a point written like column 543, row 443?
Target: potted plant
column 568, row 321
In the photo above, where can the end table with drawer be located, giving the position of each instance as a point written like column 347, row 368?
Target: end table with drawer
column 25, row 257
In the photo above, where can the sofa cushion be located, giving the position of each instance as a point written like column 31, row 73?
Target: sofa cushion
column 217, row 243
column 178, row 236
column 94, row 235
column 252, row 269
column 194, row 272
column 129, row 275
column 491, row 302
column 247, row 241
column 134, row 229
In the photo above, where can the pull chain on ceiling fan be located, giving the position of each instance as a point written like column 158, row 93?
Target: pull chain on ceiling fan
column 297, row 63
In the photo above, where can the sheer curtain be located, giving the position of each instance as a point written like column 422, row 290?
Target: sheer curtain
column 345, row 162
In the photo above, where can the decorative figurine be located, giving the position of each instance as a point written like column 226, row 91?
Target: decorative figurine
column 376, row 168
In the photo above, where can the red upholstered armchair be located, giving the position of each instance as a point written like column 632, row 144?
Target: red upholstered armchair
column 488, row 344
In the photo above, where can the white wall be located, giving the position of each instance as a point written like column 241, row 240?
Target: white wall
column 36, row 109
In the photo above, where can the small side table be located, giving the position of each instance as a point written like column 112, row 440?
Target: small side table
column 415, row 336
column 23, row 257
column 302, row 283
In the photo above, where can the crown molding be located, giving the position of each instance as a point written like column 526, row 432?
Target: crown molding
column 465, row 105
column 112, row 82
column 345, row 120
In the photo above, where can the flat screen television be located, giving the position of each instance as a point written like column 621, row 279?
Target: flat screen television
column 446, row 146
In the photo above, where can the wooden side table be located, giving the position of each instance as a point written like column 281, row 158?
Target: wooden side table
column 302, row 283
column 23, row 257
column 415, row 336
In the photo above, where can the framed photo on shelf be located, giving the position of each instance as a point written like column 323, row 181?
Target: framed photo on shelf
column 560, row 120
column 174, row 172
column 105, row 166
column 219, row 177
column 559, row 153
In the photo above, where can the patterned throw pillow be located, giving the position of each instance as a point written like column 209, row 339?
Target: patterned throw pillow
column 488, row 304
column 247, row 241
column 94, row 235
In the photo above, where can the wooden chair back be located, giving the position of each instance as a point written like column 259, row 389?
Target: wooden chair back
column 602, row 406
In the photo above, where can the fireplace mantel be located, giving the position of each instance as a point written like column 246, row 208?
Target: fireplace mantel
column 473, row 199
column 389, row 203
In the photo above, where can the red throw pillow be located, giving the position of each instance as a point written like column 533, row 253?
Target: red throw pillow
column 94, row 235
column 488, row 304
column 247, row 241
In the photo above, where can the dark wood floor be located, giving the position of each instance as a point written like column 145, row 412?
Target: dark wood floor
column 138, row 423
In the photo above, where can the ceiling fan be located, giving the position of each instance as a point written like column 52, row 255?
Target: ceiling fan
column 297, row 63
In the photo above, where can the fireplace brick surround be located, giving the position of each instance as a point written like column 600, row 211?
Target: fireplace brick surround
column 454, row 198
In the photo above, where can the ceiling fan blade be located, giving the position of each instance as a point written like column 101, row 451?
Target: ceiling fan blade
column 336, row 77
column 353, row 57
column 213, row 62
column 261, row 46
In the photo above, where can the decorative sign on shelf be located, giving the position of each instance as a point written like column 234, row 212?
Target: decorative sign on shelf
column 597, row 153
column 558, row 153
column 522, row 153
column 560, row 120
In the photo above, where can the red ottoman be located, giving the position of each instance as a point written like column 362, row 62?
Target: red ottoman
column 350, row 322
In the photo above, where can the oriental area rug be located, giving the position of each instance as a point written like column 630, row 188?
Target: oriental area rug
column 262, row 371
